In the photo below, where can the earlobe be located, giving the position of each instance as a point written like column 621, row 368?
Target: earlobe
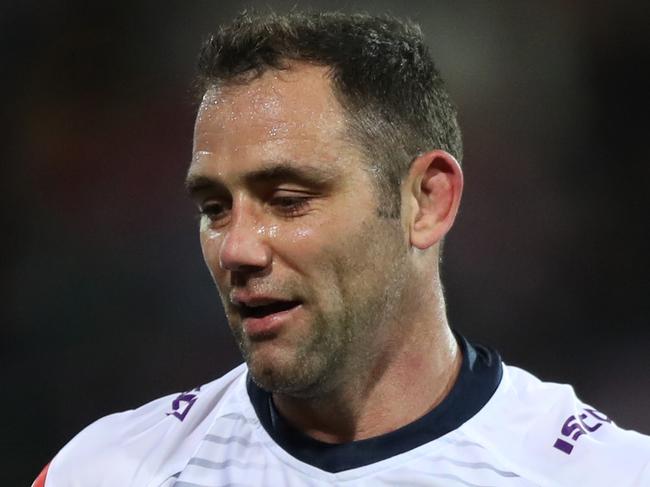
column 435, row 182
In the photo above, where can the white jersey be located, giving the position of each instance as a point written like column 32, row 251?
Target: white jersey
column 499, row 426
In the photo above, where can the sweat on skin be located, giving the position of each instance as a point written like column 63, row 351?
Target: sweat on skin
column 289, row 212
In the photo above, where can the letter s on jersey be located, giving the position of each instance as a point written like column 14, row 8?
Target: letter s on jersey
column 576, row 425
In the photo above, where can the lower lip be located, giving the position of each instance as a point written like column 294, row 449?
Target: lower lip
column 269, row 324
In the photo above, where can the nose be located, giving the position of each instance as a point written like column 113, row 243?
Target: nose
column 244, row 247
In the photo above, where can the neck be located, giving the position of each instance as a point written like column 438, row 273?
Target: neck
column 414, row 371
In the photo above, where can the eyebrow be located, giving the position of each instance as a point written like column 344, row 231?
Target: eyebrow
column 288, row 171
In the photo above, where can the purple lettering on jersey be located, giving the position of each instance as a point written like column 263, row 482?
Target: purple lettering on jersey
column 598, row 415
column 574, row 427
column 564, row 446
column 591, row 429
column 185, row 400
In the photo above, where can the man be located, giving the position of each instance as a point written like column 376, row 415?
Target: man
column 325, row 171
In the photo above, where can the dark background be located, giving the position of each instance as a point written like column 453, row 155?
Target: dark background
column 107, row 303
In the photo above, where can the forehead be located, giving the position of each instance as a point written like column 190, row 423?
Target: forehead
column 288, row 114
column 302, row 92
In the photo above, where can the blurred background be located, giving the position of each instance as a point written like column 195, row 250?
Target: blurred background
column 108, row 304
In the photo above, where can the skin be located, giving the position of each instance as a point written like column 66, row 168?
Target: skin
column 290, row 212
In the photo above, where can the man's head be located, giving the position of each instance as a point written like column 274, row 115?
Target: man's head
column 381, row 72
column 318, row 285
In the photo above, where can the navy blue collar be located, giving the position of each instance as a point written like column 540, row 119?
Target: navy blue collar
column 479, row 377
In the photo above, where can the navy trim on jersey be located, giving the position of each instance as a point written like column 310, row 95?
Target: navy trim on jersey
column 478, row 378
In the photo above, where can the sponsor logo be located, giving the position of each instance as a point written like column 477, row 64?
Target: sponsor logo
column 577, row 425
column 183, row 403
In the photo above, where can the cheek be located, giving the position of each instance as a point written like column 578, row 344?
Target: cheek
column 303, row 237
column 210, row 245
column 364, row 258
column 322, row 253
column 305, row 257
column 295, row 245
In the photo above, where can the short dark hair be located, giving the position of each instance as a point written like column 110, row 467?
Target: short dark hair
column 381, row 72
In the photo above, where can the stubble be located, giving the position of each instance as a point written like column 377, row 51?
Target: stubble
column 346, row 337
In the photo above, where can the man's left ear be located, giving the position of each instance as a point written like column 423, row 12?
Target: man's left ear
column 434, row 186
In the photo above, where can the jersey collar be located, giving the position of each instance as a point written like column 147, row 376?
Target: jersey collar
column 479, row 376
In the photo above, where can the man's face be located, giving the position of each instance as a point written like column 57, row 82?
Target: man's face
column 308, row 273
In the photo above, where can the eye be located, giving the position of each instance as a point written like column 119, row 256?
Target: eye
column 215, row 212
column 291, row 204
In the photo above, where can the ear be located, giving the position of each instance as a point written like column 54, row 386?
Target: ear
column 434, row 186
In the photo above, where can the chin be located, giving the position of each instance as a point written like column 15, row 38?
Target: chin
column 278, row 376
column 271, row 380
column 269, row 369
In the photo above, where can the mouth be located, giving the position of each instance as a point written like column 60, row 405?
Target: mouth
column 263, row 310
column 264, row 319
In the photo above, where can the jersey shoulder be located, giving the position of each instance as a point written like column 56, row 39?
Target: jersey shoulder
column 555, row 438
column 139, row 446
